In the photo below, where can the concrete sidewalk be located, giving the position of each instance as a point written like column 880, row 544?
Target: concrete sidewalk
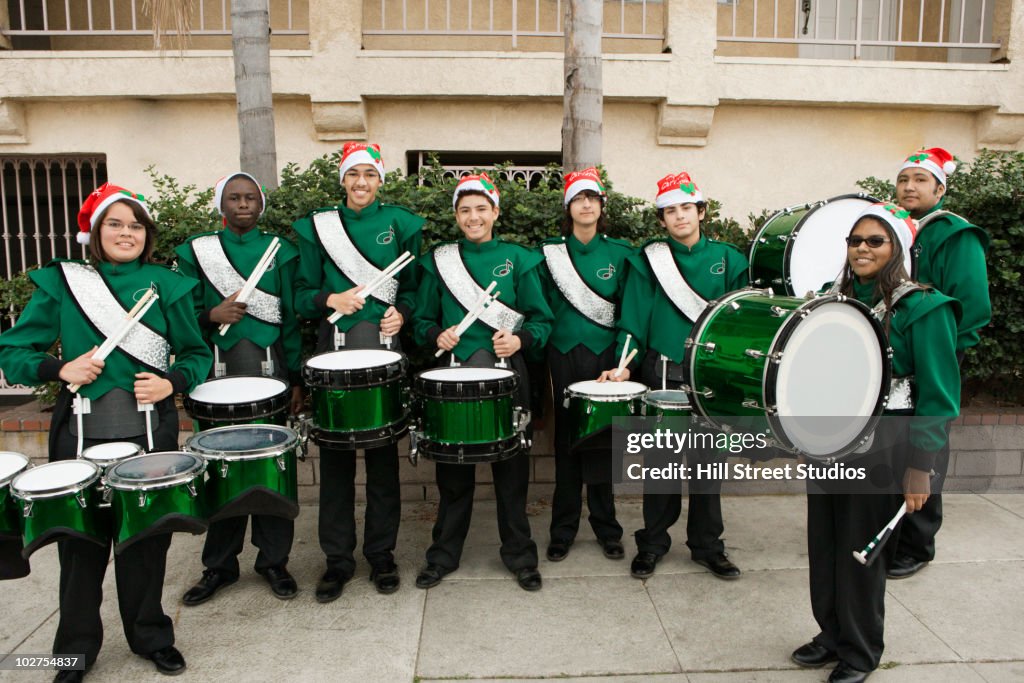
column 961, row 619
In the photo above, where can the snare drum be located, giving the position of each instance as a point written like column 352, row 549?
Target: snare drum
column 156, row 493
column 11, row 465
column 252, row 470
column 815, row 372
column 593, row 404
column 238, row 400
column 468, row 415
column 666, row 403
column 58, row 501
column 801, row 248
column 358, row 397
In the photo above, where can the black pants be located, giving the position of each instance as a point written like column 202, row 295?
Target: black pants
column 456, row 484
column 567, row 505
column 704, row 525
column 273, row 537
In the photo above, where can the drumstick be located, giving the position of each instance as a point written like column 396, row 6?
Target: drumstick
column 624, row 363
column 471, row 316
column 393, row 268
column 110, row 343
column 255, row 276
column 625, row 350
column 875, row 545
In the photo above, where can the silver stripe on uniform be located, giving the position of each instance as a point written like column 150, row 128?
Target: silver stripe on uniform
column 467, row 292
column 222, row 275
column 349, row 260
column 575, row 290
column 672, row 282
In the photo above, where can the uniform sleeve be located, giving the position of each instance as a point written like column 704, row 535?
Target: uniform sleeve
column 539, row 318
column 426, row 316
column 188, row 267
column 965, row 275
column 192, row 357
column 310, row 299
column 738, row 269
column 291, row 337
column 635, row 313
column 937, row 378
column 23, row 348
column 409, row 278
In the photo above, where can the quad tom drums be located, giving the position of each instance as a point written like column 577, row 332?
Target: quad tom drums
column 58, row 501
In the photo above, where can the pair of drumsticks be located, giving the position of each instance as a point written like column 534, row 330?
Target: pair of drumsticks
column 368, row 289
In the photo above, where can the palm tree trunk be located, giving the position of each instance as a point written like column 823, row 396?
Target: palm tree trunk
column 250, row 42
column 581, row 125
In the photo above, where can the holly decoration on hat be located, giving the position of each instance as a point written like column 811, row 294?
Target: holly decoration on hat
column 688, row 188
column 487, row 184
column 917, row 158
column 373, row 152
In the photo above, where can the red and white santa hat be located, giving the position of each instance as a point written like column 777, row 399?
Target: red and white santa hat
column 677, row 189
column 356, row 153
column 98, row 201
column 477, row 183
column 218, row 191
column 578, row 181
column 936, row 161
column 899, row 220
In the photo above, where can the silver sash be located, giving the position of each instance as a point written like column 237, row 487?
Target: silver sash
column 901, row 394
column 347, row 257
column 106, row 314
column 226, row 280
column 452, row 270
column 576, row 291
column 676, row 288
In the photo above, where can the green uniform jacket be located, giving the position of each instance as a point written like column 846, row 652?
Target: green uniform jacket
column 244, row 252
column 602, row 264
column 712, row 268
column 950, row 256
column 52, row 314
column 513, row 267
column 922, row 334
column 382, row 232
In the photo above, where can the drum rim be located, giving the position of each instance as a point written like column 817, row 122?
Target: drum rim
column 102, row 462
column 607, row 398
column 76, row 488
column 164, row 482
column 440, row 390
column 506, row 374
column 323, row 379
column 5, row 481
column 650, row 400
column 192, row 445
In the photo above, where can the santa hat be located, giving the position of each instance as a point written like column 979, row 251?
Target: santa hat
column 936, row 161
column 578, row 181
column 899, row 221
column 677, row 189
column 218, row 192
column 98, row 201
column 355, row 153
column 476, row 183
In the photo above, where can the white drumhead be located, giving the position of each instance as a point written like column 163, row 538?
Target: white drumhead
column 106, row 453
column 832, row 366
column 466, row 374
column 154, row 469
column 234, row 390
column 668, row 398
column 819, row 250
column 607, row 391
column 53, row 476
column 10, row 464
column 356, row 359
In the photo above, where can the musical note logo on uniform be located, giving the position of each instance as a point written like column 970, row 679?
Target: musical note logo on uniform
column 606, row 273
column 387, row 237
column 502, row 270
column 718, row 268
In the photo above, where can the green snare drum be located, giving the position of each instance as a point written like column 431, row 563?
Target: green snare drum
column 58, row 501
column 593, row 404
column 11, row 465
column 358, row 397
column 237, row 400
column 252, row 470
column 814, row 373
column 156, row 493
column 468, row 415
column 801, row 248
column 667, row 403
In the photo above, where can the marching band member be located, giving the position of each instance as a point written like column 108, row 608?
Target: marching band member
column 342, row 248
column 584, row 274
column 519, row 321
column 949, row 255
column 670, row 282
column 848, row 598
column 75, row 302
column 263, row 340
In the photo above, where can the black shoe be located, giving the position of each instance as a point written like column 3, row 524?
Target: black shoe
column 430, row 576
column 844, row 673
column 904, row 566
column 168, row 661
column 211, row 582
column 612, row 548
column 330, row 585
column 529, row 579
column 385, row 579
column 720, row 566
column 282, row 584
column 558, row 550
column 69, row 676
column 813, row 656
column 643, row 565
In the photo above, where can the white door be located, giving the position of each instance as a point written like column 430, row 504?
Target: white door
column 837, row 20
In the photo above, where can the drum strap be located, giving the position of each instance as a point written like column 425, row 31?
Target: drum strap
column 104, row 312
column 673, row 282
column 331, row 232
column 225, row 278
column 465, row 290
column 575, row 289
column 903, row 289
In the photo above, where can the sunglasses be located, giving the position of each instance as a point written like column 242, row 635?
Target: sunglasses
column 875, row 241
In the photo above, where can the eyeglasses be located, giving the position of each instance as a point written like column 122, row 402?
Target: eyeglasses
column 875, row 241
column 583, row 196
column 117, row 225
